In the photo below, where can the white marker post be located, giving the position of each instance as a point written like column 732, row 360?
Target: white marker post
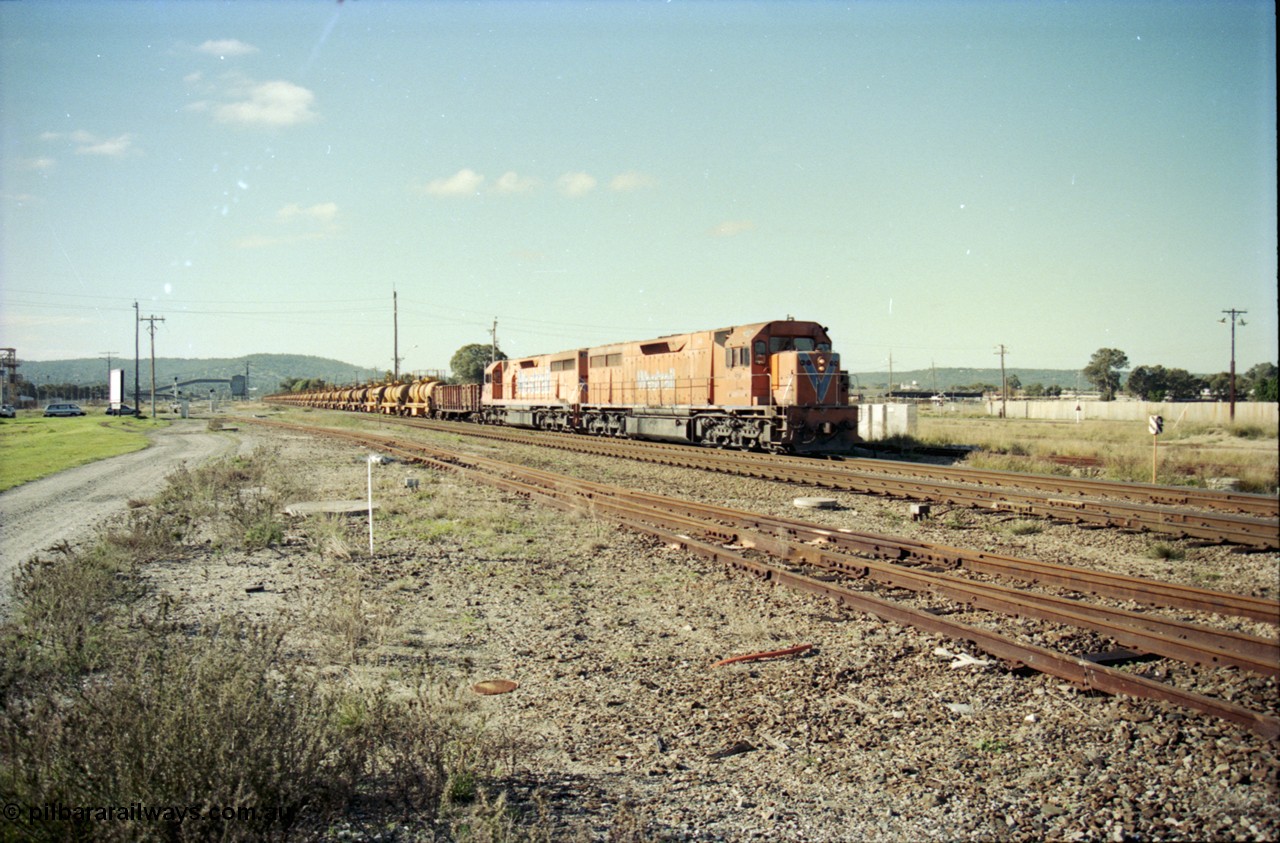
column 1155, row 424
column 373, row 458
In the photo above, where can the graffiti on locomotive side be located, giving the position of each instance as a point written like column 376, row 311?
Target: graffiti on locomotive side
column 530, row 384
column 656, row 380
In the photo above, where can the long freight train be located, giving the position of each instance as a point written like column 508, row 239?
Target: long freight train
column 773, row 386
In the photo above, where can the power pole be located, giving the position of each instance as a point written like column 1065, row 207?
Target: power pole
column 108, row 353
column 395, row 335
column 1234, row 315
column 1004, row 383
column 493, row 335
column 137, row 322
column 153, row 319
column 890, row 375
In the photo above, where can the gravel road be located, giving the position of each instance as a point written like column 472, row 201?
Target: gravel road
column 69, row 505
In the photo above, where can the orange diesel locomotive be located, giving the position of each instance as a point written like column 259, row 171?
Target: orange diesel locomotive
column 773, row 386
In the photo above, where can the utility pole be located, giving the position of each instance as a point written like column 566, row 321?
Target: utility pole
column 108, row 353
column 493, row 335
column 395, row 337
column 1004, row 383
column 137, row 322
column 153, row 319
column 1234, row 315
column 890, row 390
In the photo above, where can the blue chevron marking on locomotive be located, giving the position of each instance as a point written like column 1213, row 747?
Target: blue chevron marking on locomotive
column 821, row 380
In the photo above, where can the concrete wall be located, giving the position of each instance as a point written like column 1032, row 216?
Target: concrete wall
column 1249, row 412
column 880, row 421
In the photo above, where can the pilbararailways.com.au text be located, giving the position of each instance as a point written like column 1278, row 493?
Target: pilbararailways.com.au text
column 133, row 812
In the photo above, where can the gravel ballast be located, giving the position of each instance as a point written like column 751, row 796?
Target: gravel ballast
column 624, row 727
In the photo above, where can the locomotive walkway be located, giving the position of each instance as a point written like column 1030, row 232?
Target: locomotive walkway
column 819, row 560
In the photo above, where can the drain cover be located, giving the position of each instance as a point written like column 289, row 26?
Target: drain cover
column 815, row 503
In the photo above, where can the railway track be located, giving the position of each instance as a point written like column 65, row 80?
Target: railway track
column 836, row 564
column 1221, row 517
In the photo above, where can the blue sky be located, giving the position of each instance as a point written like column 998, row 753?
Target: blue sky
column 929, row 179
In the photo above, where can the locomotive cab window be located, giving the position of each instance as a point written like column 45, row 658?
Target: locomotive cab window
column 777, row 344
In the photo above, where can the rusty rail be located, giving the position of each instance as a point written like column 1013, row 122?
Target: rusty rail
column 1181, row 512
column 1154, row 635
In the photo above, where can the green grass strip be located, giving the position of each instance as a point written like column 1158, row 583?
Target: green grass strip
column 32, row 446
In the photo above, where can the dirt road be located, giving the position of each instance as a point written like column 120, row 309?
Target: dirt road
column 68, row 506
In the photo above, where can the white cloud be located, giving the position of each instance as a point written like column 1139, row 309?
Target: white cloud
column 575, row 185
column 111, row 147
column 42, row 163
column 226, row 47
column 325, row 212
column 732, row 228
column 626, row 182
column 302, row 224
column 510, row 182
column 87, row 143
column 465, row 182
column 276, row 103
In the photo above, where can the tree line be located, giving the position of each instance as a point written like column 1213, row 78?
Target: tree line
column 1156, row 383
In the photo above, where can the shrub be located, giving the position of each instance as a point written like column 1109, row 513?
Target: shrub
column 1025, row 528
column 1161, row 550
column 105, row 704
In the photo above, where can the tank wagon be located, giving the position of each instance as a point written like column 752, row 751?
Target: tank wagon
column 773, row 386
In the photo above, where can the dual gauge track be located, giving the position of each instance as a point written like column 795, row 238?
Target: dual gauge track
column 849, row 567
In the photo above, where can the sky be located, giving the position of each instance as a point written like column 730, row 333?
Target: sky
column 930, row 180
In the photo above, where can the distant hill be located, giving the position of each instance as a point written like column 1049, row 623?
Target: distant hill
column 265, row 371
column 945, row 379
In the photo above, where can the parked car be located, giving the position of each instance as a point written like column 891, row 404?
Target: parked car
column 122, row 410
column 7, row 412
column 63, row 410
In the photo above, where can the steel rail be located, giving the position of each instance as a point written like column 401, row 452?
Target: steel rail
column 1177, row 510
column 1265, row 506
column 1263, row 534
column 1152, row 592
column 1106, row 583
column 1079, row 670
column 1258, row 533
column 1170, row 638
